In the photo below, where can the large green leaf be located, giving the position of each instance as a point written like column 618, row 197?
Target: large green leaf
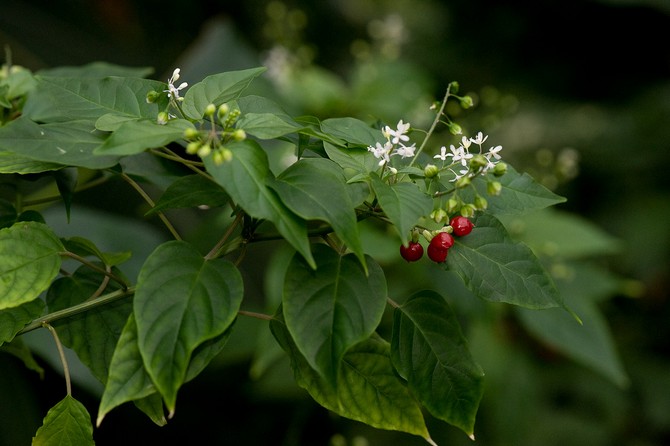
column 315, row 189
column 12, row 320
column 330, row 309
column 217, row 89
column 245, row 178
column 354, row 160
column 403, row 203
column 13, row 163
column 181, row 301
column 93, row 334
column 132, row 137
column 354, row 131
column 367, row 390
column 497, row 269
column 62, row 99
column 66, row 424
column 29, row 261
column 190, row 191
column 65, row 143
column 429, row 351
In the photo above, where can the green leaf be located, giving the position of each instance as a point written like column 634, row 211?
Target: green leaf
column 190, row 191
column 403, row 203
column 66, row 424
column 13, row 163
column 84, row 247
column 12, row 320
column 217, row 89
column 429, row 350
column 182, row 300
column 65, row 143
column 330, row 309
column 93, row 334
column 368, row 390
column 136, row 136
column 63, row 99
column 96, row 70
column 520, row 193
column 497, row 269
column 29, row 261
column 66, row 181
column 245, row 178
column 353, row 131
column 21, row 351
column 354, row 160
column 315, row 189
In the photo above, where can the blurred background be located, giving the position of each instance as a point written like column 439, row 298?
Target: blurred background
column 576, row 91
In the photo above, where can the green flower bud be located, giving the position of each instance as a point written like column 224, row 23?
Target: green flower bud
column 462, row 182
column 191, row 133
column 192, row 147
column 239, row 135
column 431, row 171
column 480, row 203
column 500, row 169
column 204, row 150
column 453, row 87
column 453, row 204
column 152, row 96
column 438, row 215
column 222, row 111
column 466, row 102
column 454, row 128
column 427, row 235
column 223, row 155
column 478, row 161
column 210, row 110
column 468, row 211
column 493, row 188
column 162, row 118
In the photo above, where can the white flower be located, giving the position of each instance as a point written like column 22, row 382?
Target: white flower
column 443, row 153
column 406, row 151
column 381, row 152
column 479, row 139
column 399, row 134
column 172, row 91
column 458, row 176
column 493, row 151
column 465, row 142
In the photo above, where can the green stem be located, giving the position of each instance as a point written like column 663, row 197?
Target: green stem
column 214, row 251
column 76, row 309
column 256, row 315
column 151, row 203
column 61, row 352
column 95, row 267
column 433, row 126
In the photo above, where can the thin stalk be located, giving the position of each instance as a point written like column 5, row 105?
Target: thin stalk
column 436, row 121
column 95, row 267
column 151, row 203
column 214, row 251
column 265, row 317
column 61, row 353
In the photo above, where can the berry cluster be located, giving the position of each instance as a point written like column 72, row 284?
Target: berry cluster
column 440, row 242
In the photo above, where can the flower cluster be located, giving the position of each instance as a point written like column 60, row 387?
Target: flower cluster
column 394, row 144
column 473, row 164
column 213, row 141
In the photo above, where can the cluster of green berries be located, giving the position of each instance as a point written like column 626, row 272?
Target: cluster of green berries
column 439, row 242
column 213, row 142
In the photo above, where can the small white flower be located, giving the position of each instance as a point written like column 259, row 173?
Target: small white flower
column 443, row 153
column 493, row 151
column 398, row 134
column 479, row 139
column 458, row 176
column 172, row 91
column 406, row 151
column 465, row 142
column 381, row 152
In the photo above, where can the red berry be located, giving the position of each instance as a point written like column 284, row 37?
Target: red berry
column 412, row 252
column 437, row 254
column 462, row 225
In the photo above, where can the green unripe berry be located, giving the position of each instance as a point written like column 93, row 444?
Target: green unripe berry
column 162, row 118
column 468, row 211
column 210, row 110
column 431, row 171
column 500, row 169
column 438, row 215
column 466, row 102
column 493, row 188
column 152, row 96
column 478, row 161
column 191, row 133
column 453, row 87
column 455, row 129
column 192, row 147
column 223, row 155
column 222, row 111
column 462, row 182
column 453, row 204
column 480, row 203
column 239, row 135
column 204, row 150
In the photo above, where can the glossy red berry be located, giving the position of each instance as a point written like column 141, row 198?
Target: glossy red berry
column 437, row 254
column 462, row 225
column 412, row 252
column 439, row 246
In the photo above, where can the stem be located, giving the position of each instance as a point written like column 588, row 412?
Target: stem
column 76, row 309
column 392, row 303
column 432, row 127
column 151, row 203
column 256, row 315
column 90, row 184
column 213, row 252
column 61, row 352
column 95, row 267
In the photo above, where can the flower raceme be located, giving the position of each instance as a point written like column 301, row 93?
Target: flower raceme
column 394, row 144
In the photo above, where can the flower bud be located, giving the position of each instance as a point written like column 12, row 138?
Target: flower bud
column 478, row 161
column 453, row 204
column 152, row 96
column 454, row 128
column 438, row 215
column 204, row 150
column 210, row 110
column 480, row 203
column 222, row 111
column 431, row 171
column 162, row 118
column 191, row 133
column 468, row 211
column 462, row 182
column 493, row 188
column 192, row 147
column 239, row 135
column 453, row 87
column 427, row 235
column 223, row 155
column 466, row 102
column 500, row 169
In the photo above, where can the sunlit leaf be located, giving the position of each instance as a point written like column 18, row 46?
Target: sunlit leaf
column 330, row 309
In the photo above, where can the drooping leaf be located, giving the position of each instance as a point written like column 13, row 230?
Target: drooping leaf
column 132, row 137
column 29, row 261
column 64, row 99
column 12, row 320
column 182, row 300
column 65, row 143
column 92, row 334
column 403, row 203
column 429, row 350
column 21, row 351
column 367, row 390
column 310, row 187
column 66, row 424
column 190, row 191
column 330, row 309
column 66, row 181
column 498, row 269
column 245, row 178
column 217, row 89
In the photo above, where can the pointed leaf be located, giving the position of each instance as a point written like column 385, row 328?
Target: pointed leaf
column 66, row 181
column 66, row 143
column 66, row 424
column 181, row 301
column 85, row 248
column 29, row 261
column 429, row 351
column 21, row 351
column 190, row 191
column 315, row 189
column 496, row 268
column 63, row 99
column 13, row 163
column 330, row 309
column 353, row 131
column 217, row 89
column 12, row 320
column 356, row 161
column 245, row 179
column 367, row 390
column 403, row 203
column 136, row 136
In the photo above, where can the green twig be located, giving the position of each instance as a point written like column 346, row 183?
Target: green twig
column 151, row 203
column 61, row 353
column 436, row 121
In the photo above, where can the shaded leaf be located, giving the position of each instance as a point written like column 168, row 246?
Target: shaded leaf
column 132, row 137
column 12, row 320
column 190, row 191
column 429, row 350
column 353, row 131
column 96, row 70
column 14, row 163
column 330, row 309
column 66, row 424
